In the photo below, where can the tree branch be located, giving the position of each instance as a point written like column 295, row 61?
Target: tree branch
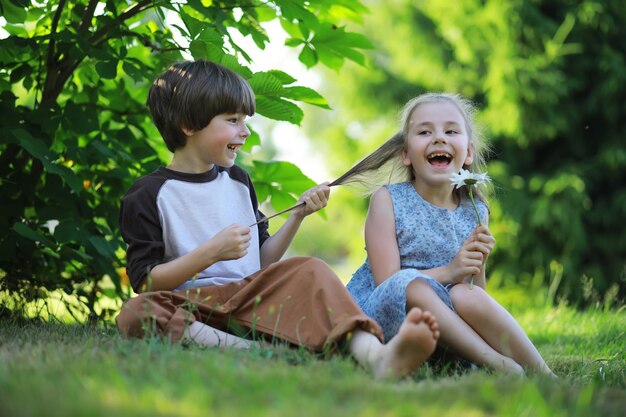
column 58, row 73
column 89, row 12
column 130, row 12
column 145, row 41
column 53, row 31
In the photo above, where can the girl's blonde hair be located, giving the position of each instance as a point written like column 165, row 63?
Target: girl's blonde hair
column 384, row 165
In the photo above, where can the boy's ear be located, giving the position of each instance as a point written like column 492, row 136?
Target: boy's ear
column 187, row 132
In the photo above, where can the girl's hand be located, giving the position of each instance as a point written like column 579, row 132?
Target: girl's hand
column 315, row 199
column 486, row 241
column 468, row 261
column 232, row 242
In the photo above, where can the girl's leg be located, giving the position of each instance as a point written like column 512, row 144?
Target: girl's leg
column 496, row 326
column 203, row 334
column 407, row 350
column 456, row 333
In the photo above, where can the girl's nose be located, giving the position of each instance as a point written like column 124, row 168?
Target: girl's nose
column 440, row 138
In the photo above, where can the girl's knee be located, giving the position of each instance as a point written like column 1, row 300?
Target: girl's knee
column 470, row 300
column 418, row 292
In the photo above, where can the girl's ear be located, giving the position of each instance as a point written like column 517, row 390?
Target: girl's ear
column 470, row 155
column 187, row 132
column 406, row 161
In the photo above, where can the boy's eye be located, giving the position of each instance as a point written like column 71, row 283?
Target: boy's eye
column 423, row 132
column 452, row 132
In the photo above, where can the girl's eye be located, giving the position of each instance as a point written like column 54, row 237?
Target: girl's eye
column 452, row 132
column 423, row 132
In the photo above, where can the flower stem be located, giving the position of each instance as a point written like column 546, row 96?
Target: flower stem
column 480, row 223
column 471, row 196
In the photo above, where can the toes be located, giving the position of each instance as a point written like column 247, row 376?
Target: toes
column 415, row 315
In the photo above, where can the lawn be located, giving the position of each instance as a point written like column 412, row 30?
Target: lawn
column 55, row 369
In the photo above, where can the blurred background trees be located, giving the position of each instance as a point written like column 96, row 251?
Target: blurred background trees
column 76, row 133
column 550, row 80
column 548, row 77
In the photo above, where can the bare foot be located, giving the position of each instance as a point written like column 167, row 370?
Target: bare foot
column 407, row 350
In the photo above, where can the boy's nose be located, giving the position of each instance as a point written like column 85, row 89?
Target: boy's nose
column 245, row 132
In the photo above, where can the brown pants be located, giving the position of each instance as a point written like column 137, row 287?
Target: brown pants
column 299, row 300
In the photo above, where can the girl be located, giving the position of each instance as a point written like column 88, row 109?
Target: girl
column 423, row 243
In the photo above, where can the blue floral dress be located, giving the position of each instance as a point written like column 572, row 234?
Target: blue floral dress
column 428, row 236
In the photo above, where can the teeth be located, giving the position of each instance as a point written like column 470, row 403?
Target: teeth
column 444, row 154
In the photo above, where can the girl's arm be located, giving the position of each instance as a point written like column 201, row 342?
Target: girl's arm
column 381, row 243
column 275, row 246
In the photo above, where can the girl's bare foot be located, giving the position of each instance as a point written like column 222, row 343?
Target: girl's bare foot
column 407, row 350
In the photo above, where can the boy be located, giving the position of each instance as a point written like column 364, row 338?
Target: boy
column 202, row 273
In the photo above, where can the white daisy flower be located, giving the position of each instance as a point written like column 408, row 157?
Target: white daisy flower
column 470, row 178
column 466, row 177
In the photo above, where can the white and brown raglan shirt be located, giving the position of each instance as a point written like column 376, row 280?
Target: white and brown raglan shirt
column 167, row 214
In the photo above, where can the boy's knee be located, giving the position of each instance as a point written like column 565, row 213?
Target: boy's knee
column 310, row 262
column 130, row 319
column 314, row 268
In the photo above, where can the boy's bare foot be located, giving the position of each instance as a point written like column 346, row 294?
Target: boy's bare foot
column 407, row 350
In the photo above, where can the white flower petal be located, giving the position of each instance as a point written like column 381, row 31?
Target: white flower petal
column 466, row 177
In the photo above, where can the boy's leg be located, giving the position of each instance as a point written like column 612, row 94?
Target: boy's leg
column 176, row 315
column 203, row 334
column 154, row 313
column 299, row 300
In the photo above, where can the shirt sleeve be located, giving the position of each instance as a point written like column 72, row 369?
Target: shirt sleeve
column 262, row 227
column 141, row 229
column 263, row 232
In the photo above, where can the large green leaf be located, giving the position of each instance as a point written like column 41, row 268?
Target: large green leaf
column 282, row 175
column 264, row 83
column 306, row 95
column 279, row 109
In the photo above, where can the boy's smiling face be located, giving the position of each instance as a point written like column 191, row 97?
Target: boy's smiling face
column 215, row 144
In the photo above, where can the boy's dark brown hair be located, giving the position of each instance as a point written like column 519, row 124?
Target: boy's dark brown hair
column 190, row 94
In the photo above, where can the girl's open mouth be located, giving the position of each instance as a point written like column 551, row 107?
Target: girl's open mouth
column 439, row 159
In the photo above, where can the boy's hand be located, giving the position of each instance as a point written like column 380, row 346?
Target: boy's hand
column 232, row 242
column 315, row 199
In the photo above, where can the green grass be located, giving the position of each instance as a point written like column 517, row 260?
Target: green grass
column 54, row 369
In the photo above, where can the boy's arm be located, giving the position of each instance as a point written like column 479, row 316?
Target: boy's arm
column 141, row 229
column 275, row 247
column 230, row 243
